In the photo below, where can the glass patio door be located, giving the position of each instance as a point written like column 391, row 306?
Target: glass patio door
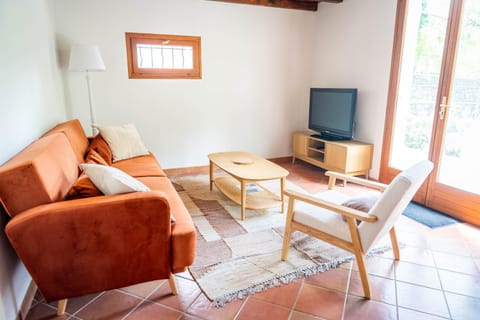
column 434, row 102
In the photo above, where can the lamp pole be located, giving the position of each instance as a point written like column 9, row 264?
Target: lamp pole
column 91, row 104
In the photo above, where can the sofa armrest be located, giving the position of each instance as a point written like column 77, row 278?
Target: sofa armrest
column 76, row 247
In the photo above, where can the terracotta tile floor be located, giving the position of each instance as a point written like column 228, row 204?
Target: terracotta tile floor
column 438, row 277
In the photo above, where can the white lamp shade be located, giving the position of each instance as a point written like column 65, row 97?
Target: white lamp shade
column 85, row 57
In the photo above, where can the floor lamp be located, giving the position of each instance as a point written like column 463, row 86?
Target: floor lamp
column 87, row 58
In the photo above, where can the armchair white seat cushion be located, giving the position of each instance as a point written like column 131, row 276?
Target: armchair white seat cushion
column 323, row 219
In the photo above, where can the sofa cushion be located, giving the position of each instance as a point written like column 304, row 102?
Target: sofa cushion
column 111, row 180
column 143, row 166
column 41, row 173
column 84, row 187
column 95, row 158
column 101, row 147
column 75, row 134
column 124, row 141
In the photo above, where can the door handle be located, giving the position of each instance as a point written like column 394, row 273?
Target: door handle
column 443, row 108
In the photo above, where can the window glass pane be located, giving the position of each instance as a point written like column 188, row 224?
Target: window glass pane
column 144, row 57
column 164, row 56
column 157, row 58
column 422, row 54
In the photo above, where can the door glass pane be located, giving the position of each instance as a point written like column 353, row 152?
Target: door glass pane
column 423, row 46
column 459, row 158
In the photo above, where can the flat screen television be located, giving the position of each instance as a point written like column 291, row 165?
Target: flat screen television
column 332, row 113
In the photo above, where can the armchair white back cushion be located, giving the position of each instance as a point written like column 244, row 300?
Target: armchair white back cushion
column 393, row 202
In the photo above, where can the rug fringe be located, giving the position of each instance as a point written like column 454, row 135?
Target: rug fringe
column 290, row 277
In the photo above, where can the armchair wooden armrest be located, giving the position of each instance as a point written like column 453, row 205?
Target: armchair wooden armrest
column 344, row 211
column 364, row 182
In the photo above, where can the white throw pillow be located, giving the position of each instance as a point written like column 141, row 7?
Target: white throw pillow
column 111, row 180
column 124, row 141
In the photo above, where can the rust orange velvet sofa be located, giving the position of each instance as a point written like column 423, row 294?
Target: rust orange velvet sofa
column 80, row 246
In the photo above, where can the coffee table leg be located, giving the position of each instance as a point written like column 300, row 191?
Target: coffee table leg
column 243, row 198
column 211, row 175
column 282, row 191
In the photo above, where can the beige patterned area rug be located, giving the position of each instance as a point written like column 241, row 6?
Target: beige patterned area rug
column 238, row 258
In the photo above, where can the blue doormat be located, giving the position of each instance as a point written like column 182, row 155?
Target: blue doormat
column 429, row 217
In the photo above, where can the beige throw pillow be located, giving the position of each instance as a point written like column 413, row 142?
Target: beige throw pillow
column 124, row 141
column 111, row 180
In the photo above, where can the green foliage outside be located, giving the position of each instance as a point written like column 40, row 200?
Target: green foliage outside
column 417, row 137
column 428, row 59
column 431, row 40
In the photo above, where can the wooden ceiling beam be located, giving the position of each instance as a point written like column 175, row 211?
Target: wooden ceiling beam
column 289, row 4
column 333, row 1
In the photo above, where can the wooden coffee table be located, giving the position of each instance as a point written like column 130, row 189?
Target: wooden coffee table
column 244, row 168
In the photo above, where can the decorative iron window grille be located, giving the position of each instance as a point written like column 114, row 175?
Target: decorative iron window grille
column 164, row 56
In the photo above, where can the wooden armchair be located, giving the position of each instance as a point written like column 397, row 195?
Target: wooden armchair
column 321, row 218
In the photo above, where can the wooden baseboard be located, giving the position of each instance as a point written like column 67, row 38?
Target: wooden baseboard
column 27, row 301
column 281, row 159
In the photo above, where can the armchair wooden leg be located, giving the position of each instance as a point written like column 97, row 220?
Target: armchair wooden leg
column 62, row 305
column 363, row 273
column 357, row 250
column 286, row 243
column 331, row 182
column 173, row 285
column 393, row 239
column 288, row 229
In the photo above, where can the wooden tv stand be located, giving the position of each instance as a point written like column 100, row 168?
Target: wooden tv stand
column 349, row 157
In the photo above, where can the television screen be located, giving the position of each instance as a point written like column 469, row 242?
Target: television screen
column 332, row 112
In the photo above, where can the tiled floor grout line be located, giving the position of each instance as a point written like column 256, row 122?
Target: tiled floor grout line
column 426, row 313
column 441, row 285
column 267, row 302
column 292, row 309
column 87, row 304
column 168, row 307
column 52, row 307
column 133, row 309
column 396, row 290
column 143, row 299
column 146, row 299
column 395, row 283
column 347, row 289
column 241, row 308
column 185, row 312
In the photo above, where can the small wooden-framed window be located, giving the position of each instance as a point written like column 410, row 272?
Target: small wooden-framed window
column 163, row 56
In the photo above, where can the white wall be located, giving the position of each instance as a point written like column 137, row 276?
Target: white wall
column 353, row 49
column 256, row 72
column 31, row 101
